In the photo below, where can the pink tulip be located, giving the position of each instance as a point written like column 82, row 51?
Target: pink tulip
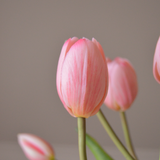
column 82, row 77
column 123, row 86
column 35, row 148
column 156, row 62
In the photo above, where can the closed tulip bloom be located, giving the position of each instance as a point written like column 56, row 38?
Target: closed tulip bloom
column 156, row 62
column 82, row 77
column 123, row 86
column 35, row 148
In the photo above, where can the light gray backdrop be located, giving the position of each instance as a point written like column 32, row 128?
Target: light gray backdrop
column 32, row 33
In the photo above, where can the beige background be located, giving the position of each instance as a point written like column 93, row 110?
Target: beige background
column 32, row 33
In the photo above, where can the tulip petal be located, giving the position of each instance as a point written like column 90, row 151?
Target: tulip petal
column 99, row 47
column 83, row 80
column 156, row 73
column 156, row 62
column 127, row 88
column 123, row 85
column 34, row 147
column 110, row 100
column 67, row 45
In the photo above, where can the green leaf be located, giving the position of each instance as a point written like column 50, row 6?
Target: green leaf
column 96, row 149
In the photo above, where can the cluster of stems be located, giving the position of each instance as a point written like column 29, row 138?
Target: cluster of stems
column 128, row 154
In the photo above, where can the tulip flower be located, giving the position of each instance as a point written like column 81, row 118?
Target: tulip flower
column 123, row 86
column 82, row 77
column 35, row 148
column 122, row 91
column 156, row 62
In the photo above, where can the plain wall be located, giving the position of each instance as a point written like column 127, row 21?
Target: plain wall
column 31, row 36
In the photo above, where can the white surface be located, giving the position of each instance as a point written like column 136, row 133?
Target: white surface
column 12, row 151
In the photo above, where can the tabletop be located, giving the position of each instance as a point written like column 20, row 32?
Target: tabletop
column 12, row 151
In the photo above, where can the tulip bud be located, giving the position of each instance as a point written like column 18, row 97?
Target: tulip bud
column 123, row 86
column 156, row 62
column 82, row 77
column 35, row 148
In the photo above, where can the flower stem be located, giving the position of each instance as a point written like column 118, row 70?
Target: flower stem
column 127, row 134
column 82, row 137
column 113, row 136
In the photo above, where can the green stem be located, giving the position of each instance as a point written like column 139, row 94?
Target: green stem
column 127, row 134
column 51, row 158
column 82, row 137
column 113, row 136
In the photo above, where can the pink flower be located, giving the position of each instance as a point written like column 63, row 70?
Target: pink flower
column 82, row 77
column 156, row 62
column 35, row 148
column 123, row 86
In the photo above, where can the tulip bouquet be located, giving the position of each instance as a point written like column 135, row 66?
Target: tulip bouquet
column 85, row 80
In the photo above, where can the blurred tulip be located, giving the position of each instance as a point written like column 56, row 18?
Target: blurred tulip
column 156, row 62
column 82, row 77
column 35, row 148
column 123, row 86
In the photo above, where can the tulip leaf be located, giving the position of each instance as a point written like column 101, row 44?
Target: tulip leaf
column 96, row 149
